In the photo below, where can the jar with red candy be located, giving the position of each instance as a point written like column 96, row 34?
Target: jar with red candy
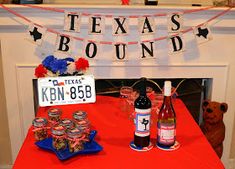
column 75, row 139
column 40, row 128
column 54, row 115
column 58, row 137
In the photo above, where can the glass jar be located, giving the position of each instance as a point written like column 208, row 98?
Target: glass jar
column 75, row 140
column 40, row 128
column 85, row 126
column 79, row 116
column 67, row 123
column 58, row 137
column 82, row 122
column 54, row 115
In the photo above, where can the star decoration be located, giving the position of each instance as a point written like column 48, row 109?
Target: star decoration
column 36, row 35
column 202, row 32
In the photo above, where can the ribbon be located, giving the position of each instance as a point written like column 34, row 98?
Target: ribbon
column 40, row 128
column 58, row 137
column 53, row 122
column 77, row 140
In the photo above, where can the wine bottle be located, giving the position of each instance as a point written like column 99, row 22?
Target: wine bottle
column 166, row 123
column 142, row 117
column 151, row 2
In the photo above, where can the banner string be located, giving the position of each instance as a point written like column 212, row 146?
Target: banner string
column 130, row 16
column 110, row 42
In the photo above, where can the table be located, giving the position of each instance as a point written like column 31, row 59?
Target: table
column 115, row 132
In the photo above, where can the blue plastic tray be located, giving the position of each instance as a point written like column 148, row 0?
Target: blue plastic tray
column 89, row 147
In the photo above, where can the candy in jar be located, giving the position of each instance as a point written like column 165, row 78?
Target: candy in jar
column 58, row 137
column 75, row 139
column 67, row 123
column 79, row 115
column 40, row 128
column 84, row 125
column 54, row 115
column 82, row 122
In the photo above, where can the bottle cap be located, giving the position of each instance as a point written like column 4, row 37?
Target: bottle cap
column 79, row 115
column 39, row 122
column 167, row 88
column 58, row 130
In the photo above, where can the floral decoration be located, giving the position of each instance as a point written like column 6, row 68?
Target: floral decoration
column 51, row 66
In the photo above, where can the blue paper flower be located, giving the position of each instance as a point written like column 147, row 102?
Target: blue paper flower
column 69, row 59
column 48, row 60
column 58, row 65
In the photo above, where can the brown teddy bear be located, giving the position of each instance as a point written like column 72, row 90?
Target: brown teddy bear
column 213, row 126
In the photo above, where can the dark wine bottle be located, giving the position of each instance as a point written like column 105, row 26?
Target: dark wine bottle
column 151, row 2
column 142, row 117
column 166, row 123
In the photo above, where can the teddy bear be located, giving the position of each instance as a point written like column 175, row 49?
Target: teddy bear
column 213, row 126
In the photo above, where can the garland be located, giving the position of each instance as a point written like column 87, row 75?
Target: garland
column 131, row 16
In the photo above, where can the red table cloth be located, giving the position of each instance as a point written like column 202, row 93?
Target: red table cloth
column 115, row 132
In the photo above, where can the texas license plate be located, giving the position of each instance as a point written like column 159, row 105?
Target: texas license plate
column 66, row 90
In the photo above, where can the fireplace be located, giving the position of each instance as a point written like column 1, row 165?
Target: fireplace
column 191, row 91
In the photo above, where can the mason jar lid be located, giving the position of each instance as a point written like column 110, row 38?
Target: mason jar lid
column 39, row 122
column 58, row 130
column 83, row 124
column 54, row 112
column 79, row 115
column 74, row 132
column 67, row 123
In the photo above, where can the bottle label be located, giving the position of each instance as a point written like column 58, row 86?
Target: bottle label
column 142, row 122
column 166, row 133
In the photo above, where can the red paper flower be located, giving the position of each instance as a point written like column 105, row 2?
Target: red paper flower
column 40, row 71
column 81, row 64
column 125, row 2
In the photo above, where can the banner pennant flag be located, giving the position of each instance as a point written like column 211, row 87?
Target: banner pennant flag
column 120, row 26
column 36, row 33
column 64, row 44
column 120, row 51
column 174, row 22
column 96, row 25
column 146, row 25
column 91, row 49
column 202, row 33
column 176, row 43
column 72, row 21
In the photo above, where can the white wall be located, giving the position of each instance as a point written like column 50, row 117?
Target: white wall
column 214, row 59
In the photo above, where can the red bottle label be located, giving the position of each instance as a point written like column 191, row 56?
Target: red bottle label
column 166, row 134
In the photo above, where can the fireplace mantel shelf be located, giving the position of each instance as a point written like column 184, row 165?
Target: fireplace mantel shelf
column 54, row 20
column 118, row 7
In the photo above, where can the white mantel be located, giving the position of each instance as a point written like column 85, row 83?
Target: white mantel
column 215, row 59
